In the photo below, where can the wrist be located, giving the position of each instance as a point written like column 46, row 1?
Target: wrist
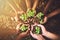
column 46, row 32
column 40, row 38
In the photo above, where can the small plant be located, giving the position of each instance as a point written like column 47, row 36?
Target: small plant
column 36, row 30
column 23, row 17
column 30, row 13
column 23, row 28
column 40, row 16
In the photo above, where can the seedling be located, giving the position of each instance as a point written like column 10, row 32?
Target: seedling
column 36, row 30
column 23, row 17
column 40, row 16
column 30, row 13
column 23, row 28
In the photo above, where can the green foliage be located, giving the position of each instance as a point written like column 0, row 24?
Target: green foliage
column 37, row 30
column 23, row 28
column 23, row 17
column 40, row 16
column 30, row 13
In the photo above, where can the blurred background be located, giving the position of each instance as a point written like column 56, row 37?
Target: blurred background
column 7, row 13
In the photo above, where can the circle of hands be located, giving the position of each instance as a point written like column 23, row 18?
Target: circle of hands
column 30, row 29
column 29, row 32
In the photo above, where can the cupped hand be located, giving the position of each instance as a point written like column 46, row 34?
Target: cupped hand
column 23, row 34
column 37, row 36
column 44, row 31
column 45, row 20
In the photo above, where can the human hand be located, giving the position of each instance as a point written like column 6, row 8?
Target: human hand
column 23, row 34
column 37, row 36
column 44, row 31
column 18, row 28
column 45, row 20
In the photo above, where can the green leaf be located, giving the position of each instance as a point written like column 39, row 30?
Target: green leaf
column 30, row 13
column 37, row 30
column 40, row 15
column 23, row 17
column 23, row 28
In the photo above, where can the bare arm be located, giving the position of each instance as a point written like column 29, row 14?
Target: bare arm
column 47, row 6
column 54, row 13
column 35, row 4
column 48, row 34
column 51, row 35
column 28, row 4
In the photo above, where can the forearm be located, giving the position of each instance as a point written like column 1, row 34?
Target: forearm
column 35, row 4
column 28, row 4
column 51, row 35
column 18, row 38
column 47, row 6
column 41, row 38
column 54, row 13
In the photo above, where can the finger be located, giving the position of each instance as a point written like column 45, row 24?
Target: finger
column 31, row 34
column 32, row 28
column 28, row 31
column 45, row 20
column 42, row 27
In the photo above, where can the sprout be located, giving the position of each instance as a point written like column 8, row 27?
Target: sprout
column 23, row 17
column 23, row 28
column 30, row 13
column 40, row 16
column 37, row 30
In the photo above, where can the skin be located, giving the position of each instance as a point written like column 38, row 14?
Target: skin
column 45, row 33
column 35, row 4
column 47, row 6
column 57, row 11
column 51, row 15
column 54, row 13
column 23, row 34
column 38, row 37
column 28, row 4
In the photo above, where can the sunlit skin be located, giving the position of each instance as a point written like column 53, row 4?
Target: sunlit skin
column 24, row 34
column 44, row 33
column 28, row 4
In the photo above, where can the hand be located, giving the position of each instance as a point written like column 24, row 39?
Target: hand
column 44, row 31
column 23, row 34
column 37, row 36
column 45, row 20
column 48, row 34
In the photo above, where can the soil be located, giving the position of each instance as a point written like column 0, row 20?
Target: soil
column 34, row 30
